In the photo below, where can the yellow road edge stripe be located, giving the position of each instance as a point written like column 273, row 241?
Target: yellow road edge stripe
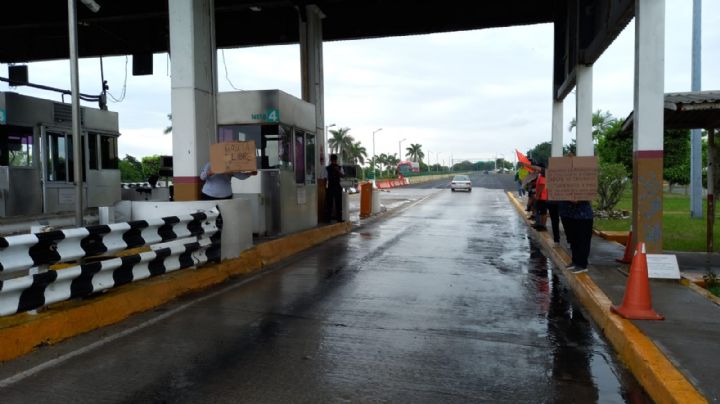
column 22, row 333
column 660, row 378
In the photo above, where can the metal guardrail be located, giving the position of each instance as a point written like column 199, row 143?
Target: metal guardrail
column 38, row 290
column 18, row 253
column 176, row 242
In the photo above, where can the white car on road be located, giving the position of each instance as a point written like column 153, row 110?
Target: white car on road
column 461, row 182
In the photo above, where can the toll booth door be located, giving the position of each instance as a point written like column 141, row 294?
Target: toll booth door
column 22, row 192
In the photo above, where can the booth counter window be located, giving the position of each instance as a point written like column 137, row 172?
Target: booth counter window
column 16, row 146
column 278, row 147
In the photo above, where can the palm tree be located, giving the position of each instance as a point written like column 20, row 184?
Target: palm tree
column 391, row 161
column 381, row 161
column 341, row 143
column 601, row 121
column 357, row 153
column 415, row 153
column 168, row 129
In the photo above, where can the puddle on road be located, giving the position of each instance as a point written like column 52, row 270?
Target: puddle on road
column 584, row 368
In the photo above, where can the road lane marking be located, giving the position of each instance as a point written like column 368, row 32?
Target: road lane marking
column 70, row 355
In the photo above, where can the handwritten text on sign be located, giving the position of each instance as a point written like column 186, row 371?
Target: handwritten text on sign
column 230, row 157
column 572, row 178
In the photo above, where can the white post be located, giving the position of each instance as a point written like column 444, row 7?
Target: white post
column 557, row 128
column 696, row 209
column 76, row 130
column 583, row 111
column 648, row 122
column 193, row 94
column 311, row 59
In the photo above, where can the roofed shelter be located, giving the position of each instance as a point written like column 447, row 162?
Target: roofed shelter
column 691, row 110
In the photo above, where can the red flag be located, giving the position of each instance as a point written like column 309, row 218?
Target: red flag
column 522, row 159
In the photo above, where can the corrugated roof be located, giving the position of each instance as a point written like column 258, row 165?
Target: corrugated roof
column 688, row 110
column 692, row 97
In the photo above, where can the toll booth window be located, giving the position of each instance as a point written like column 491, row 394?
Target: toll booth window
column 270, row 146
column 229, row 133
column 56, row 157
column 108, row 152
column 285, row 147
column 309, row 158
column 20, row 147
column 71, row 162
column 299, row 146
column 93, row 151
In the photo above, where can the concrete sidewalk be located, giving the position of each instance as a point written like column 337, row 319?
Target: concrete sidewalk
column 688, row 337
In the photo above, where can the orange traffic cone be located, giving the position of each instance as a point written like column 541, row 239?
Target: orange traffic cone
column 628, row 256
column 636, row 303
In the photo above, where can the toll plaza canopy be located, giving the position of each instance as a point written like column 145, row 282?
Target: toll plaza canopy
column 33, row 31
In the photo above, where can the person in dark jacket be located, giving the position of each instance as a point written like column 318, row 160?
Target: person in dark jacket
column 577, row 218
column 333, row 194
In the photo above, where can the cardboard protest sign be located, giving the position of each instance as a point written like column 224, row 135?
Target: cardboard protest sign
column 232, row 157
column 572, row 178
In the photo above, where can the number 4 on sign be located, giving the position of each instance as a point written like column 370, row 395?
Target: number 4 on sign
column 273, row 116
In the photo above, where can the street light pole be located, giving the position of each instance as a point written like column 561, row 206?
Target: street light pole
column 374, row 156
column 400, row 148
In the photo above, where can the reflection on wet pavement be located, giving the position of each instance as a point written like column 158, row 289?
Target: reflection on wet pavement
column 446, row 301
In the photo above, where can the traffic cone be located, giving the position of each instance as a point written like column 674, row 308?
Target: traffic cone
column 628, row 256
column 637, row 302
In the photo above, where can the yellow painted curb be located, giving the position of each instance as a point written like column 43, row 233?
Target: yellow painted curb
column 663, row 381
column 21, row 333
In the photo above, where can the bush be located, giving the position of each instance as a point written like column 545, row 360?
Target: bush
column 612, row 180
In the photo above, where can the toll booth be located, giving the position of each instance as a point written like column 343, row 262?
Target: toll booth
column 283, row 195
column 36, row 156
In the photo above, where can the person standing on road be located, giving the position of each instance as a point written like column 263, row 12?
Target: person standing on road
column 217, row 186
column 333, row 194
column 521, row 190
column 577, row 218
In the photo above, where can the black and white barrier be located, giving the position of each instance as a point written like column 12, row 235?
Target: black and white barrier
column 20, row 253
column 35, row 291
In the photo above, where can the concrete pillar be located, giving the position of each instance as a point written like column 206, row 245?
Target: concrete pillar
column 648, row 123
column 557, row 128
column 192, row 51
column 583, row 111
column 311, row 65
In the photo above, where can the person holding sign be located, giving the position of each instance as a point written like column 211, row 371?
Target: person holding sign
column 217, row 186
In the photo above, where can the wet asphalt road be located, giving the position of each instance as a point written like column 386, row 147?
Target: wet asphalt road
column 448, row 300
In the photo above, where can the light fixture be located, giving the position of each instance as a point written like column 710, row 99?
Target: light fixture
column 92, row 5
column 255, row 8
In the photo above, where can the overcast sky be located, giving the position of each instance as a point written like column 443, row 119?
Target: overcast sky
column 472, row 95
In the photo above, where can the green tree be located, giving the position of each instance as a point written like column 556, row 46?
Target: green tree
column 392, row 162
column 676, row 157
column 358, row 154
column 415, row 153
column 612, row 179
column 600, row 123
column 150, row 166
column 570, row 148
column 168, row 128
column 130, row 169
column 540, row 153
column 615, row 146
column 341, row 142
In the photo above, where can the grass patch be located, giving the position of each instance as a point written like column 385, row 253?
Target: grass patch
column 680, row 232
